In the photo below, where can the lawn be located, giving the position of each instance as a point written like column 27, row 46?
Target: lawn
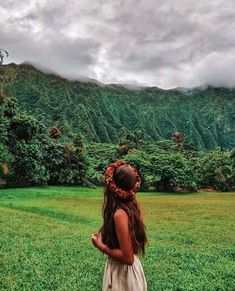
column 45, row 240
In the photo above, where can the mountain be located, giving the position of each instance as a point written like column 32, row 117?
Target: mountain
column 104, row 113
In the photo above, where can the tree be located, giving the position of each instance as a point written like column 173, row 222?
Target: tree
column 182, row 145
column 28, row 163
column 26, row 137
column 164, row 171
column 5, row 156
column 54, row 132
column 9, row 106
column 216, row 170
column 65, row 161
column 131, row 141
column 3, row 54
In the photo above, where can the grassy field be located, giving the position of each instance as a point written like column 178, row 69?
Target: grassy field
column 45, row 240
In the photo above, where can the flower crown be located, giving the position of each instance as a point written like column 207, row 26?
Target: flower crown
column 119, row 192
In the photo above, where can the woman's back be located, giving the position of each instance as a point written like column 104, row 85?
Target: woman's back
column 122, row 235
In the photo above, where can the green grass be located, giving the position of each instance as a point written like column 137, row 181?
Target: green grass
column 45, row 240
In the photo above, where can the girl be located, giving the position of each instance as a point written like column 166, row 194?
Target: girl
column 122, row 235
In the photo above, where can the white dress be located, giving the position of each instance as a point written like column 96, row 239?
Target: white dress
column 122, row 277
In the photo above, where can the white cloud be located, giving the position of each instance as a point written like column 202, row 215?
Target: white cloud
column 166, row 44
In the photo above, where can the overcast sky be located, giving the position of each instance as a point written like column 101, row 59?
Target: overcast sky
column 170, row 43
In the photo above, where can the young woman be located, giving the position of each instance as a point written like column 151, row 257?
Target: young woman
column 122, row 235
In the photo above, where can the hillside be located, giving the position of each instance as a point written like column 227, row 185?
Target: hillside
column 104, row 113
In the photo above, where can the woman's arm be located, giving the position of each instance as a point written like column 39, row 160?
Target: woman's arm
column 125, row 254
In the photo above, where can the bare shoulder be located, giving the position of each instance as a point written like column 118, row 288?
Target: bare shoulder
column 120, row 214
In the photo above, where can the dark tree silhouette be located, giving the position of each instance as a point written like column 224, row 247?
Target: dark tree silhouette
column 3, row 54
column 54, row 132
column 178, row 137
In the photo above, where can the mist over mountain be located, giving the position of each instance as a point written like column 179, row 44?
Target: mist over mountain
column 104, row 113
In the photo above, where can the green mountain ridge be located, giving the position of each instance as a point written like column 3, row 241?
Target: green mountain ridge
column 104, row 113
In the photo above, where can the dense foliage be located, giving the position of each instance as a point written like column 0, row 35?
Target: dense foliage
column 31, row 155
column 106, row 113
column 166, row 166
column 43, row 144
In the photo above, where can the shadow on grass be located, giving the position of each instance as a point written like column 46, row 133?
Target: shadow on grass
column 51, row 214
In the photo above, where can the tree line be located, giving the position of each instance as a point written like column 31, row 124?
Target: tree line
column 33, row 154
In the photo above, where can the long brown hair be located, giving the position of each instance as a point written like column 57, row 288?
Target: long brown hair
column 125, row 179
